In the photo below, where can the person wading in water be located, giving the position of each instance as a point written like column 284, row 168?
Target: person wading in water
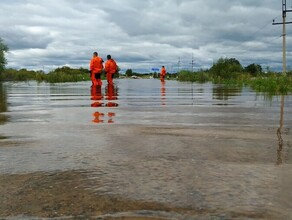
column 110, row 68
column 96, row 67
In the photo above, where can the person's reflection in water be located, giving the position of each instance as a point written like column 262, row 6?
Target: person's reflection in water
column 96, row 96
column 98, row 117
column 111, row 116
column 163, row 91
column 110, row 95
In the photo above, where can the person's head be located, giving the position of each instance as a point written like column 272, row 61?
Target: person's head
column 162, row 66
column 108, row 57
column 95, row 54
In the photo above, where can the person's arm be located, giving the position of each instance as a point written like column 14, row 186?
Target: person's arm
column 106, row 67
column 115, row 67
column 90, row 67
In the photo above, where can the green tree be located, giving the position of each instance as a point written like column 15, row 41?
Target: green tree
column 226, row 68
column 129, row 72
column 254, row 69
column 3, row 61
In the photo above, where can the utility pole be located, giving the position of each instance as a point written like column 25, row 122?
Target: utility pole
column 192, row 62
column 284, row 11
column 178, row 64
column 279, row 134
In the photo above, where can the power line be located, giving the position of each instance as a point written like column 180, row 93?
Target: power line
column 264, row 26
column 284, row 12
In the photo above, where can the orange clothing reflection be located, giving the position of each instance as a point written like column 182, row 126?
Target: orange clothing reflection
column 111, row 95
column 111, row 116
column 163, row 92
column 99, row 101
column 98, row 117
column 96, row 96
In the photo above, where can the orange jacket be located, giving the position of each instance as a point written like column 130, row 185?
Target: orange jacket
column 111, row 66
column 163, row 71
column 96, row 65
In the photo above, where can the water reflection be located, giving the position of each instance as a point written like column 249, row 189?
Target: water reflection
column 111, row 95
column 107, row 100
column 163, row 92
column 3, row 104
column 279, row 135
column 223, row 93
column 96, row 96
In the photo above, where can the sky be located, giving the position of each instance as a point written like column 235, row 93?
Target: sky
column 143, row 34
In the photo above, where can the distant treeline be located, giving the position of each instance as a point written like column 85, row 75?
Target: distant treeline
column 130, row 72
column 227, row 71
column 63, row 74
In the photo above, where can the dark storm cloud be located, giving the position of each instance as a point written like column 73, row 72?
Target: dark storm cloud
column 141, row 34
column 20, row 38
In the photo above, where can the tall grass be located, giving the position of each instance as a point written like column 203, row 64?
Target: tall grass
column 18, row 75
column 272, row 84
column 59, row 75
column 66, row 74
column 200, row 76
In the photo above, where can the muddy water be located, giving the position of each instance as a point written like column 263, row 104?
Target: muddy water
column 144, row 150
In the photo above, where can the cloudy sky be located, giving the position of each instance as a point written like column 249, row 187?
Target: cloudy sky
column 143, row 34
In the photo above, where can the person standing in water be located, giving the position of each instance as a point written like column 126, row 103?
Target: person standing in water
column 162, row 73
column 96, row 67
column 110, row 68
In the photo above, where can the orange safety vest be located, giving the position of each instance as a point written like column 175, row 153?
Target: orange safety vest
column 111, row 66
column 96, row 65
column 163, row 71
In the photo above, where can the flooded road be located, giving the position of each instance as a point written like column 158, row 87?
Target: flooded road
column 144, row 150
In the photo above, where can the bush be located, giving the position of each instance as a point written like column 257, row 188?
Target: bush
column 226, row 68
column 18, row 75
column 63, row 74
column 272, row 85
column 200, row 77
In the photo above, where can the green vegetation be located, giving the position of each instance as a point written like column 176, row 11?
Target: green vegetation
column 130, row 73
column 200, row 76
column 229, row 72
column 272, row 84
column 59, row 75
column 3, row 61
column 226, row 71
column 63, row 74
column 19, row 75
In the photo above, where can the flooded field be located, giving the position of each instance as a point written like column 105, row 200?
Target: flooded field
column 144, row 150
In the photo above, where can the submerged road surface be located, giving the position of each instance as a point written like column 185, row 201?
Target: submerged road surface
column 144, row 150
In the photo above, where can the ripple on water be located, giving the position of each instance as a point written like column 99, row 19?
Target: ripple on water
column 173, row 151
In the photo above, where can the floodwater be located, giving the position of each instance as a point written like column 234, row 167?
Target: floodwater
column 168, row 150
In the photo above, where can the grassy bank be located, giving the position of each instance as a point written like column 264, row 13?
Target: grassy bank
column 268, row 83
column 59, row 75
column 272, row 83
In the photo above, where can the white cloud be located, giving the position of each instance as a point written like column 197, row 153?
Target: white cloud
column 141, row 34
